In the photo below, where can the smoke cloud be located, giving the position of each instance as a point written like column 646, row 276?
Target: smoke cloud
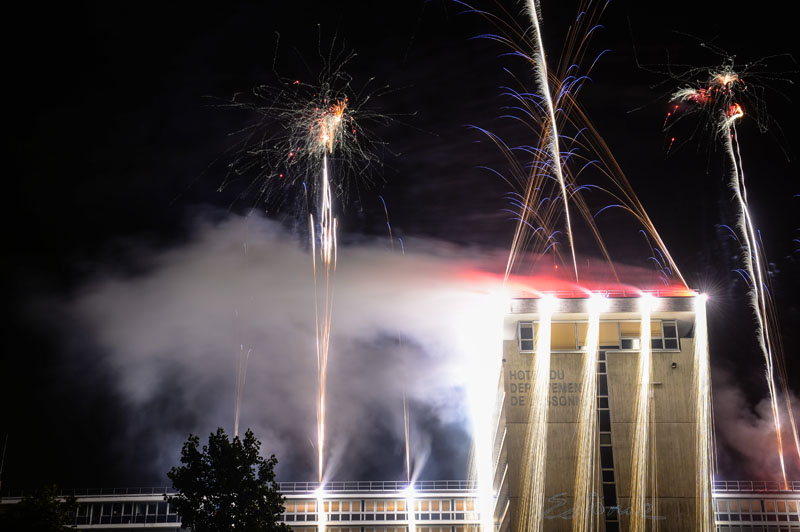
column 747, row 445
column 174, row 335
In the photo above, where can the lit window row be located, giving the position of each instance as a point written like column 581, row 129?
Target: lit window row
column 107, row 513
column 445, row 528
column 381, row 505
column 756, row 505
column 571, row 335
column 751, row 527
column 752, row 511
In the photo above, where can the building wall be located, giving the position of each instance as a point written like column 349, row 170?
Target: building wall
column 739, row 507
column 672, row 427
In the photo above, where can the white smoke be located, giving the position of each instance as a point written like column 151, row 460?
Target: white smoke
column 172, row 338
column 745, row 433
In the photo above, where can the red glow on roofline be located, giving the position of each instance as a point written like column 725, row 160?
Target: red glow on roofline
column 536, row 286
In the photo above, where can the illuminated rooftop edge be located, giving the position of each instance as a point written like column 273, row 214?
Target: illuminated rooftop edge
column 613, row 303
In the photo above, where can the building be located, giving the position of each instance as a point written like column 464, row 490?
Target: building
column 615, row 387
column 378, row 506
column 602, row 413
column 441, row 506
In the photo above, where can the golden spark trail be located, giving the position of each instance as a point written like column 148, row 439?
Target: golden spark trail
column 532, row 500
column 410, row 508
column 565, row 140
column 407, row 434
column 719, row 100
column 321, row 516
column 240, row 381
column 306, row 130
column 704, row 437
column 639, row 470
column 483, row 322
column 555, row 151
column 584, row 516
column 323, row 319
column 763, row 302
column 753, row 265
column 328, row 259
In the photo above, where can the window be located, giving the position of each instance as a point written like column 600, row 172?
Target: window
column 563, row 336
column 609, row 334
column 629, row 343
column 526, row 335
column 625, row 334
column 663, row 335
column 670, row 335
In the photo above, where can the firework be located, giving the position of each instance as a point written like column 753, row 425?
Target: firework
column 483, row 317
column 411, row 508
column 704, row 439
column 585, row 516
column 241, row 377
column 410, row 502
column 532, row 500
column 407, row 433
column 720, row 97
column 323, row 316
column 307, row 148
column 302, row 130
column 547, row 176
column 553, row 143
column 639, row 471
column 546, row 179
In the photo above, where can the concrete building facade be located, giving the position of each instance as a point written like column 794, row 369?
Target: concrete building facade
column 671, row 423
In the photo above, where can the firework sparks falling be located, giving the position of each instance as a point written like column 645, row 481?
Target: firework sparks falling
column 721, row 98
column 302, row 127
column 323, row 306
column 752, row 262
column 533, row 479
column 322, row 517
column 555, row 150
column 584, row 515
column 407, row 433
column 241, row 377
column 484, row 363
column 307, row 149
column 545, row 174
column 411, row 508
column 640, row 450
column 546, row 190
column 704, row 438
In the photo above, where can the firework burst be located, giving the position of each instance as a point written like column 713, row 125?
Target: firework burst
column 308, row 148
column 722, row 96
column 302, row 128
column 547, row 179
column 551, row 199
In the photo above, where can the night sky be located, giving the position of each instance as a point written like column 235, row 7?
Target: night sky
column 118, row 147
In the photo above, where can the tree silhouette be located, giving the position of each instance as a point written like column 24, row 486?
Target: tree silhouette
column 226, row 486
